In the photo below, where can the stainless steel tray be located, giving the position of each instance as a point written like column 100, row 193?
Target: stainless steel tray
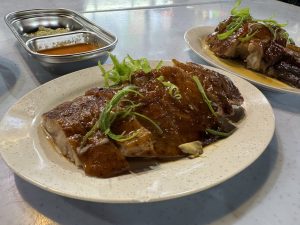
column 22, row 23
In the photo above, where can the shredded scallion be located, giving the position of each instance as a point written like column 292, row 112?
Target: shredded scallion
column 172, row 88
column 122, row 71
column 205, row 98
column 112, row 111
column 149, row 120
column 248, row 36
column 219, row 133
column 240, row 15
column 107, row 117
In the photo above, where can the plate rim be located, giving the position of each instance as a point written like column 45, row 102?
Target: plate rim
column 212, row 62
column 124, row 200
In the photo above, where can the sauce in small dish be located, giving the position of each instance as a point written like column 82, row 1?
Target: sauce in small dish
column 69, row 49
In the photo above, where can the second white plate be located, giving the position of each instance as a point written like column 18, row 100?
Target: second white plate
column 195, row 38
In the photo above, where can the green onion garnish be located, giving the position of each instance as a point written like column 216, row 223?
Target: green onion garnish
column 172, row 88
column 128, row 111
column 122, row 71
column 219, row 133
column 243, row 12
column 159, row 65
column 239, row 16
column 291, row 41
column 205, row 98
column 235, row 25
column 107, row 117
column 149, row 120
column 248, row 37
column 271, row 22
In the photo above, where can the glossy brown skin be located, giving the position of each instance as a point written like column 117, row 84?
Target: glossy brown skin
column 69, row 115
column 80, row 114
column 76, row 118
column 232, row 47
column 181, row 120
column 287, row 66
column 264, row 52
column 218, row 88
column 103, row 159
column 184, row 120
column 225, row 48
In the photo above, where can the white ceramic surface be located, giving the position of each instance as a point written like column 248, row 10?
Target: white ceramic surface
column 195, row 38
column 29, row 154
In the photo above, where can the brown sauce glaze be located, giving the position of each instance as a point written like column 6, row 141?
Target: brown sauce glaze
column 180, row 120
column 183, row 120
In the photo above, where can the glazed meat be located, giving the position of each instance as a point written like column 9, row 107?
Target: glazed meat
column 70, row 121
column 184, row 120
column 180, row 120
column 263, row 47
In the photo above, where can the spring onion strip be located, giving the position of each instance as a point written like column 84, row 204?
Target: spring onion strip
column 149, row 120
column 172, row 88
column 248, row 37
column 104, row 73
column 128, row 110
column 291, row 41
column 219, row 133
column 240, row 15
column 159, row 65
column 107, row 117
column 235, row 25
column 205, row 98
column 90, row 133
column 239, row 12
column 271, row 22
column 121, row 137
column 122, row 71
column 139, row 64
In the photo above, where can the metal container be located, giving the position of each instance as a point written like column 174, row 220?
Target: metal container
column 80, row 30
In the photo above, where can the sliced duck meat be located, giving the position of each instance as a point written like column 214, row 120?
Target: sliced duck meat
column 163, row 110
column 219, row 88
column 261, row 45
column 69, row 122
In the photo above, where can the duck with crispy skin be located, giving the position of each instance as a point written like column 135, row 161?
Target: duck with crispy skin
column 262, row 45
column 150, row 120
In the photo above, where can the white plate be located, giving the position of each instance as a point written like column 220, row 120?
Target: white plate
column 195, row 38
column 29, row 154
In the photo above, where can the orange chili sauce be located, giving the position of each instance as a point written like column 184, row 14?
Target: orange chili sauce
column 69, row 49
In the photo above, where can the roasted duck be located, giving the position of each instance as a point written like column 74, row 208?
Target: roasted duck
column 262, row 45
column 151, row 113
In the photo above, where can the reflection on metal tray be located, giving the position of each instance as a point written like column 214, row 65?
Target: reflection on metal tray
column 79, row 30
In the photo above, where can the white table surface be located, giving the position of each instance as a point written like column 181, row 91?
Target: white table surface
column 267, row 192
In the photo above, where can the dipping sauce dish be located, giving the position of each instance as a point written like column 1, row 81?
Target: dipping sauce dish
column 68, row 49
column 81, row 44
